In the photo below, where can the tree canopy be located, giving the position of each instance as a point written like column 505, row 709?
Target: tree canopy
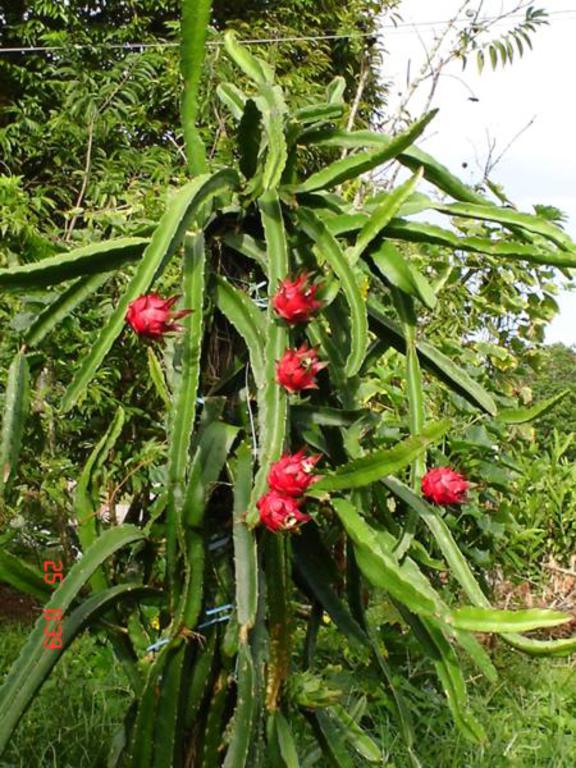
column 90, row 130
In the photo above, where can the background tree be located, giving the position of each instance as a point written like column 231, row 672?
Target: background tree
column 554, row 373
column 89, row 132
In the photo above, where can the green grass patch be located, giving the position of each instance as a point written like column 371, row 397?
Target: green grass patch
column 529, row 714
column 73, row 719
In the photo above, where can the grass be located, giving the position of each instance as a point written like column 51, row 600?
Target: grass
column 73, row 719
column 529, row 714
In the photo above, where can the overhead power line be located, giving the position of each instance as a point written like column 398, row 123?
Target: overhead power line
column 391, row 28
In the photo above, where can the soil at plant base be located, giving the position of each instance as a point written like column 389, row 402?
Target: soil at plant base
column 17, row 607
column 556, row 591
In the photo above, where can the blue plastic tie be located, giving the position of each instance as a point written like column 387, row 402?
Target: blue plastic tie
column 214, row 621
column 217, row 543
column 158, row 644
column 212, row 611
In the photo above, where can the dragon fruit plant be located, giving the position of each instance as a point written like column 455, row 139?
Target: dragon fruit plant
column 274, row 505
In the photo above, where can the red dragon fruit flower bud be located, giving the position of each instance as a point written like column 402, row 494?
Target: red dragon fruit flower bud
column 152, row 316
column 280, row 513
column 295, row 300
column 292, row 474
column 297, row 368
column 444, row 486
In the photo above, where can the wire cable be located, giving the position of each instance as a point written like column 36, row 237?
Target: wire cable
column 400, row 27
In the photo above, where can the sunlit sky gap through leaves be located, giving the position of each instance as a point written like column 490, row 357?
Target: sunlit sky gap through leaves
column 539, row 166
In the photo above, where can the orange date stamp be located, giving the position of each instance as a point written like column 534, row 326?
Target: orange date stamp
column 53, row 574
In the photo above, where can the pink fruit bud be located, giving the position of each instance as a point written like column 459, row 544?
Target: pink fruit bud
column 444, row 486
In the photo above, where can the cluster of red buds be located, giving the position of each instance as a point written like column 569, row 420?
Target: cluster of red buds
column 288, row 480
column 295, row 302
column 444, row 486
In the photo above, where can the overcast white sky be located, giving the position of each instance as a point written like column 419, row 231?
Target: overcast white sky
column 540, row 166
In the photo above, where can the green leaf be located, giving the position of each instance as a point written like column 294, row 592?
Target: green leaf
column 23, row 577
column 158, row 378
column 214, row 445
column 315, row 113
column 88, row 260
column 500, row 621
column 439, row 176
column 335, row 137
column 416, row 404
column 272, row 400
column 475, row 650
column 244, row 715
column 214, row 720
column 330, row 739
column 450, row 674
column 382, row 215
column 272, row 106
column 183, row 414
column 193, row 31
column 493, row 56
column 432, row 359
column 355, row 593
column 233, row 98
column 417, row 232
column 286, row 742
column 180, row 214
column 355, row 165
column 380, row 566
column 84, row 496
column 142, row 731
column 255, row 68
column 248, row 246
column 63, row 305
column 245, row 548
column 200, row 679
column 480, row 61
column 16, row 404
column 410, row 156
column 335, row 90
column 562, row 647
column 192, row 596
column 345, row 223
column 400, row 705
column 459, row 567
column 328, row 246
column 403, row 275
column 437, row 647
column 510, row 217
column 305, row 415
column 523, row 415
column 241, row 311
column 167, row 735
column 34, row 662
column 366, row 747
column 374, row 466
